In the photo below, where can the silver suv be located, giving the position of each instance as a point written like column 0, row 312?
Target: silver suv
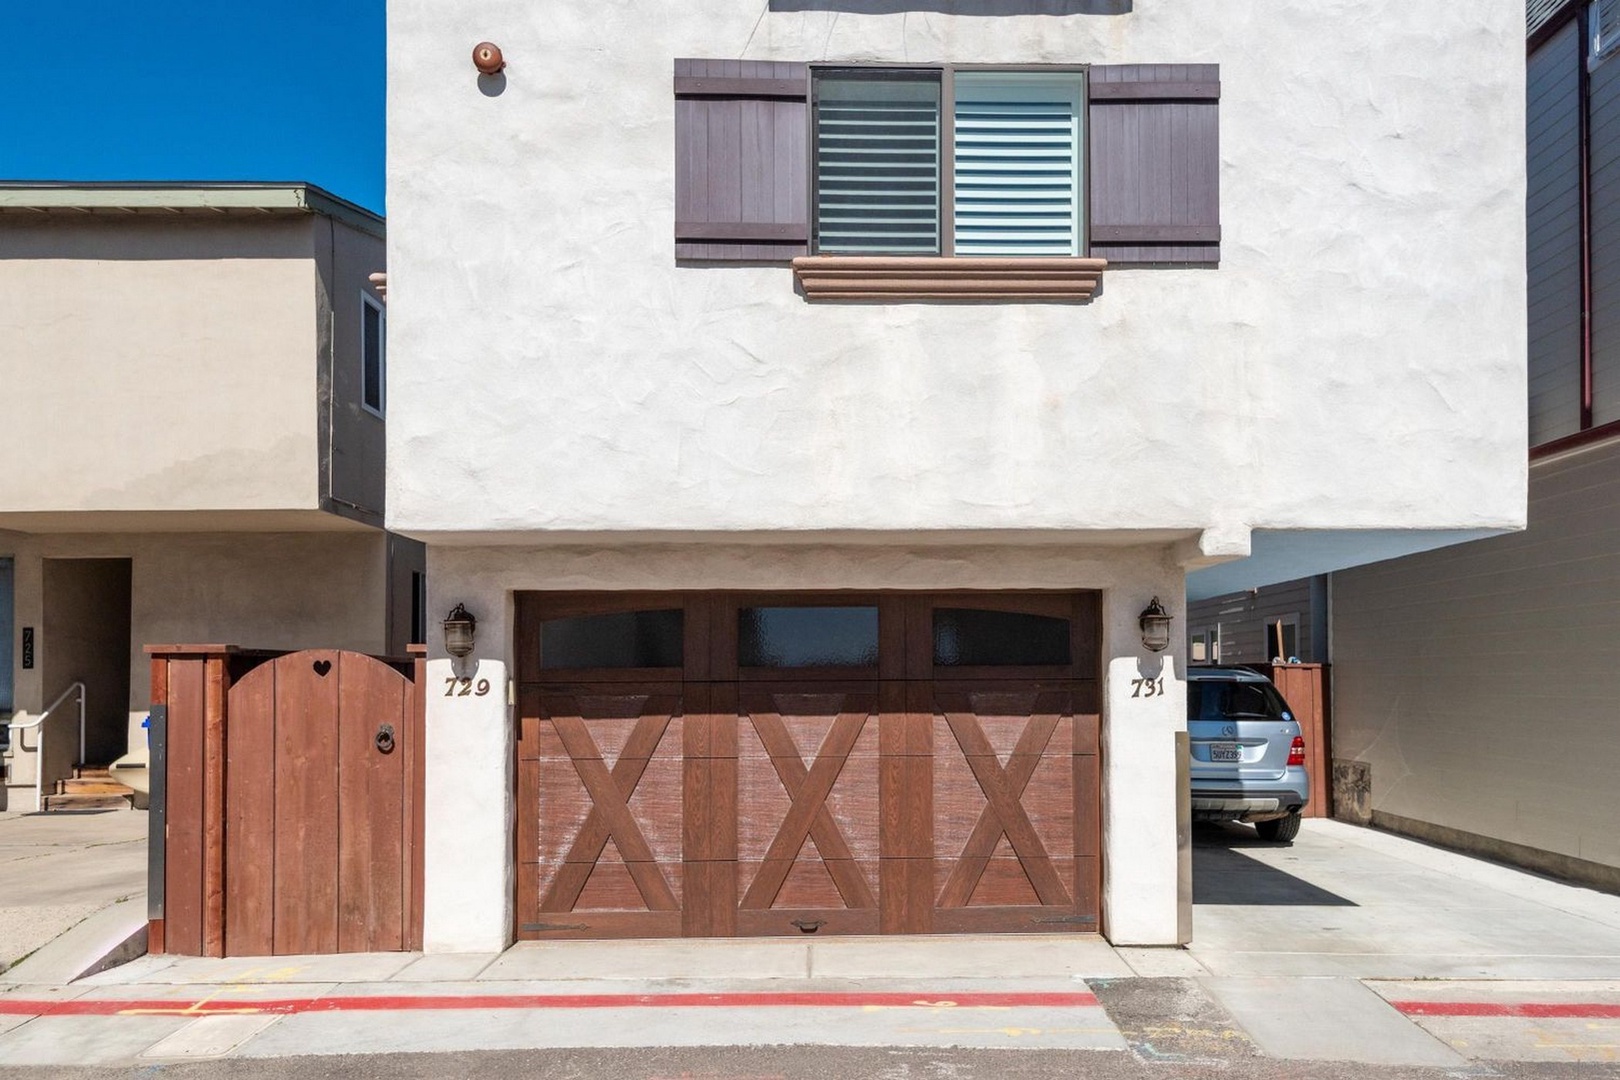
column 1248, row 756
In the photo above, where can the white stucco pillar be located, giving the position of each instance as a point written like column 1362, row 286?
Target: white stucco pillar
column 1144, row 706
column 467, row 858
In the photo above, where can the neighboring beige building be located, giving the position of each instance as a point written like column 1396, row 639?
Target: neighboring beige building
column 194, row 400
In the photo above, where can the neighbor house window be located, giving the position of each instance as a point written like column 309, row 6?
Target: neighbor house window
column 928, row 162
column 418, row 607
column 1205, row 645
column 373, row 354
column 1282, row 638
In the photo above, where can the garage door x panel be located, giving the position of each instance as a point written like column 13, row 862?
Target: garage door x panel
column 807, row 808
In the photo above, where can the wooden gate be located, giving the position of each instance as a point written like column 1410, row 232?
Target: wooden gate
column 291, row 805
column 1305, row 688
column 929, row 765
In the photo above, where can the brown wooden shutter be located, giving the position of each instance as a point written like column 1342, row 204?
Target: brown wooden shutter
column 742, row 160
column 1155, row 164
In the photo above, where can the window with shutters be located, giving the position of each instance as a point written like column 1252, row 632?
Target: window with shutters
column 947, row 182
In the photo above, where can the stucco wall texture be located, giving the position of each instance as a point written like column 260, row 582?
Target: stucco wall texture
column 1356, row 361
column 165, row 363
column 175, row 362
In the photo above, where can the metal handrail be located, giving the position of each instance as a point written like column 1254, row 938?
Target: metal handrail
column 39, row 748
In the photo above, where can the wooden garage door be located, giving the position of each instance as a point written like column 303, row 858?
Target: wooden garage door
column 748, row 764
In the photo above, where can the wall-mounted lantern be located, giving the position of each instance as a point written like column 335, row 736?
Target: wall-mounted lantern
column 459, row 627
column 1155, row 623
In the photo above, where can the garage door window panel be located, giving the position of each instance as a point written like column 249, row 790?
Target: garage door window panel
column 623, row 639
column 975, row 637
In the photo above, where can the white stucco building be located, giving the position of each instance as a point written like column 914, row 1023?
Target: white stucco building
column 1476, row 685
column 806, row 403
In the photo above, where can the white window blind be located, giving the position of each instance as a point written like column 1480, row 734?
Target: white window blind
column 1605, row 27
column 877, row 165
column 1018, row 154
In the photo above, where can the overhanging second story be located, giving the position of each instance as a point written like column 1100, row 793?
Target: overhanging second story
column 196, row 356
column 1099, row 272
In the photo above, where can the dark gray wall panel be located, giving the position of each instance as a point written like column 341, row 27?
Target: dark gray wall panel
column 1245, row 620
column 1553, row 204
column 1605, row 210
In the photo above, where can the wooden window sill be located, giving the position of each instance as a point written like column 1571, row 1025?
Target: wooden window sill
column 912, row 277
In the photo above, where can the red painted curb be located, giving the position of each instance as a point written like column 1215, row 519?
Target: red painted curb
column 224, row 1004
column 1534, row 1010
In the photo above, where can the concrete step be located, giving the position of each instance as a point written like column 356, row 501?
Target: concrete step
column 91, row 802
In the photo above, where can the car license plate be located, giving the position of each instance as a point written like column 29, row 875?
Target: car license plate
column 1225, row 752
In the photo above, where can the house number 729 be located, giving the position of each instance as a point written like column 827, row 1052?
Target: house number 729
column 1147, row 687
column 454, row 687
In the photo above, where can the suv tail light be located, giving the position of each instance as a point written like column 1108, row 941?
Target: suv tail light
column 1296, row 752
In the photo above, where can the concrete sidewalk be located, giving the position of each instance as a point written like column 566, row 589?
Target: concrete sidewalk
column 1347, row 901
column 1347, row 946
column 58, row 869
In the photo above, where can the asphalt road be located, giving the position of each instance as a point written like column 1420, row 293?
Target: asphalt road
column 793, row 1063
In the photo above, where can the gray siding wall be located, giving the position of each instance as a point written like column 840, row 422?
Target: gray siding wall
column 1554, row 225
column 1605, row 166
column 1245, row 621
column 1479, row 682
column 353, row 439
column 8, row 637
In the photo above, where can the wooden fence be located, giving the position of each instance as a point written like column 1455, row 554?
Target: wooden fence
column 1305, row 687
column 286, row 802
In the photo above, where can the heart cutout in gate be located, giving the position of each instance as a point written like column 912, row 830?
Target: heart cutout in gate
column 322, row 667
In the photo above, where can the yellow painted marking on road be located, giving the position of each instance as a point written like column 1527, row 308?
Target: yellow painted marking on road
column 938, row 1005
column 1550, row 1039
column 1161, row 1030
column 192, row 1010
column 1011, row 1032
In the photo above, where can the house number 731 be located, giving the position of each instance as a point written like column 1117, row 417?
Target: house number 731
column 454, row 687
column 1147, row 687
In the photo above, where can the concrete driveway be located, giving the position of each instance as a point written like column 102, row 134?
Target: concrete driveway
column 1356, row 902
column 58, row 869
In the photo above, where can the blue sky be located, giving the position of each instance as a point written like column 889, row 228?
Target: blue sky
column 195, row 90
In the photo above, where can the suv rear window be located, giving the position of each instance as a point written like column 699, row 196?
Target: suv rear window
column 1209, row 699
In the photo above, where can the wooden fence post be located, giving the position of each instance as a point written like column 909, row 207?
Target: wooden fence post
column 191, row 682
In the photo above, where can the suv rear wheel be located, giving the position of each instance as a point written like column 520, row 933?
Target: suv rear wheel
column 1280, row 830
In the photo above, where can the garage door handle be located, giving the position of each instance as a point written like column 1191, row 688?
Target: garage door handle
column 385, row 739
column 809, row 926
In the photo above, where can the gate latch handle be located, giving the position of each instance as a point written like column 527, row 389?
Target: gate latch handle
column 385, row 739
column 809, row 926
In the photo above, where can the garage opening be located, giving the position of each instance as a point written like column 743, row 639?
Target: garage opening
column 744, row 764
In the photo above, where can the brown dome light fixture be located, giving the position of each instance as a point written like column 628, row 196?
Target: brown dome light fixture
column 487, row 58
